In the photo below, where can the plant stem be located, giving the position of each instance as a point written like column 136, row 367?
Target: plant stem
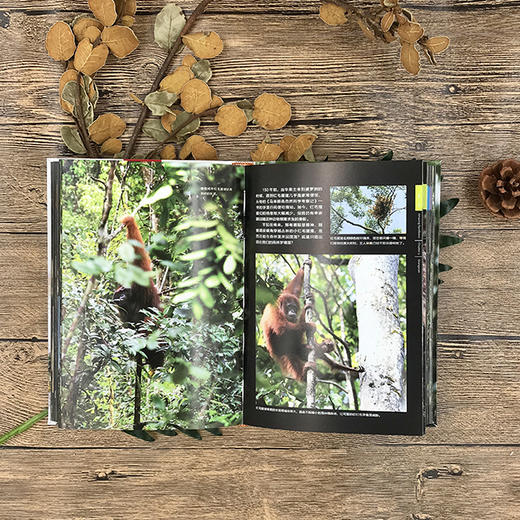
column 177, row 46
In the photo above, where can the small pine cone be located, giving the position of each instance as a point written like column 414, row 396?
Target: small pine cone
column 500, row 188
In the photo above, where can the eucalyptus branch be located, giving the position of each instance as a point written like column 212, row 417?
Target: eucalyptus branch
column 82, row 127
column 177, row 46
column 343, row 219
column 173, row 134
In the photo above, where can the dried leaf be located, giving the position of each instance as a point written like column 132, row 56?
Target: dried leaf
column 168, row 153
column 127, row 21
column 410, row 32
column 92, row 34
column 105, row 127
column 89, row 59
column 202, row 70
column 168, row 26
column 189, row 60
column 60, row 42
column 286, row 142
column 83, row 24
column 247, row 107
column 369, row 33
column 91, row 89
column 195, row 96
column 387, row 21
column 410, row 58
column 153, row 128
column 187, row 129
column 266, row 152
column 168, row 119
column 69, row 94
column 188, row 146
column 437, row 44
column 204, row 152
column 126, row 7
column 231, row 120
column 271, row 112
column 333, row 14
column 160, row 102
column 204, row 45
column 111, row 146
column 120, row 40
column 175, row 81
column 216, row 101
column 68, row 76
column 72, row 140
column 104, row 11
column 299, row 146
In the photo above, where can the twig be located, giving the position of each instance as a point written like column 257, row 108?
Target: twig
column 177, row 46
column 137, row 389
column 353, row 223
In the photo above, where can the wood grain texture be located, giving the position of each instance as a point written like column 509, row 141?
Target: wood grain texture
column 251, row 484
column 353, row 94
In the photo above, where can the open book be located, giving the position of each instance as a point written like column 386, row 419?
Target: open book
column 285, row 295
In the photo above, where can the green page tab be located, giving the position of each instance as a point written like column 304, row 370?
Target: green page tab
column 421, row 197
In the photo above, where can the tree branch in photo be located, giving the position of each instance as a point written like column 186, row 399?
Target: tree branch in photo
column 343, row 219
column 310, row 392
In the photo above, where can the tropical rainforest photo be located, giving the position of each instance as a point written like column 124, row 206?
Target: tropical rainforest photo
column 151, row 285
column 350, row 312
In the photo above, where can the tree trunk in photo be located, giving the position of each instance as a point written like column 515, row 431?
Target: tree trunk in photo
column 381, row 343
column 310, row 391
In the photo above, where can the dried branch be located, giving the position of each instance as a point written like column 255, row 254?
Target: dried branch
column 177, row 46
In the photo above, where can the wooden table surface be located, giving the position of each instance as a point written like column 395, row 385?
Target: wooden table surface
column 354, row 95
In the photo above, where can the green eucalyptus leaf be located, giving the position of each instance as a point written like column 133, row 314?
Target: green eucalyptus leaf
column 443, row 268
column 72, row 140
column 388, row 156
column 215, row 431
column 168, row 26
column 168, row 433
column 70, row 95
column 309, row 155
column 248, row 107
column 202, row 70
column 190, row 128
column 449, row 240
column 448, row 205
column 17, row 430
column 154, row 129
column 160, row 101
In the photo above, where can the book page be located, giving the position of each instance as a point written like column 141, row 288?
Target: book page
column 333, row 297
column 146, row 294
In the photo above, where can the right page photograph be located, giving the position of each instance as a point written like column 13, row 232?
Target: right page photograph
column 338, row 264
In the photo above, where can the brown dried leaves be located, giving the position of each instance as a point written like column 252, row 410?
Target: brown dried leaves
column 195, row 96
column 104, row 10
column 333, row 14
column 120, row 40
column 231, row 119
column 271, row 112
column 106, row 126
column 388, row 23
column 204, row 45
column 89, row 59
column 60, row 42
column 175, row 82
column 199, row 149
column 293, row 149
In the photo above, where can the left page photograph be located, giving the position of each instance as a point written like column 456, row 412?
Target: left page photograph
column 145, row 294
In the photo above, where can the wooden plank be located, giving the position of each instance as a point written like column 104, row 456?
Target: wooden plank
column 344, row 483
column 477, row 403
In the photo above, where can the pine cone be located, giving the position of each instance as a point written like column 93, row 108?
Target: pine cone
column 500, row 188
